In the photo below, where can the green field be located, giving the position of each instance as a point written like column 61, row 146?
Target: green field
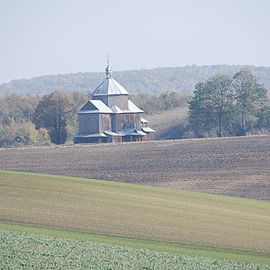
column 136, row 216
column 30, row 251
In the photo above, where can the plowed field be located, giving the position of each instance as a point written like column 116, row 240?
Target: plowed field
column 233, row 166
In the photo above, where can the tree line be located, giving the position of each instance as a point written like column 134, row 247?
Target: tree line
column 229, row 106
column 150, row 81
column 39, row 120
column 51, row 118
column 166, row 101
column 220, row 106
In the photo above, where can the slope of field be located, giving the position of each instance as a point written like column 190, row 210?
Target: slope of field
column 29, row 251
column 137, row 211
column 234, row 166
column 168, row 124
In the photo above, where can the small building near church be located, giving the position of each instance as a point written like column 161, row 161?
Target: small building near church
column 110, row 116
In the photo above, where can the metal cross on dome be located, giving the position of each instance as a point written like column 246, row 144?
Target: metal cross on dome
column 108, row 68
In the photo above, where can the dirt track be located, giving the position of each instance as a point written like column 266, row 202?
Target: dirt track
column 234, row 166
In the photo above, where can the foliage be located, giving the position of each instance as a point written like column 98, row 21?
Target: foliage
column 223, row 106
column 144, row 81
column 16, row 116
column 211, row 108
column 54, row 112
column 249, row 95
column 16, row 128
column 29, row 251
column 15, row 108
column 151, row 104
column 78, row 100
column 220, row 107
column 18, row 134
column 263, row 116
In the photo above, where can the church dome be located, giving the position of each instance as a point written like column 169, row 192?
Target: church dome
column 109, row 86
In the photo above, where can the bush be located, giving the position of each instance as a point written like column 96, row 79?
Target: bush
column 19, row 134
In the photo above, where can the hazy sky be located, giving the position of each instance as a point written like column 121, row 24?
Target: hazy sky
column 63, row 36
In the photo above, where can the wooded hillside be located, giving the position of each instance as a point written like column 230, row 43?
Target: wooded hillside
column 179, row 79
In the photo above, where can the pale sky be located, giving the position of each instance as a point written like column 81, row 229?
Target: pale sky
column 66, row 36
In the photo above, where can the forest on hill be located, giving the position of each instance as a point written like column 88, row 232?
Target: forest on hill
column 151, row 81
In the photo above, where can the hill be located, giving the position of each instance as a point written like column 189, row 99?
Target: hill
column 234, row 166
column 169, row 124
column 135, row 211
column 179, row 79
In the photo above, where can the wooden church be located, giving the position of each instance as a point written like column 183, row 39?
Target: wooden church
column 110, row 116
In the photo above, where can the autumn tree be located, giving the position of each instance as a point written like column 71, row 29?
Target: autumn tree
column 54, row 112
column 17, row 108
column 18, row 134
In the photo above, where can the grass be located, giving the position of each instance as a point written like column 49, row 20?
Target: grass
column 140, row 216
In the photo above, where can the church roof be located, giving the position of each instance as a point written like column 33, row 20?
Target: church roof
column 144, row 120
column 95, row 135
column 148, row 129
column 101, row 106
column 116, row 109
column 95, row 106
column 131, row 132
column 109, row 86
column 133, row 108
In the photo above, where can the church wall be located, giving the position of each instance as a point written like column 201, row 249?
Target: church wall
column 104, row 99
column 128, row 120
column 88, row 123
column 119, row 100
column 104, row 122
column 114, row 129
column 90, row 140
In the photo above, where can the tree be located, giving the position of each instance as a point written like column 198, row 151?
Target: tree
column 53, row 112
column 211, row 107
column 250, row 96
column 22, row 134
column 263, row 116
column 17, row 108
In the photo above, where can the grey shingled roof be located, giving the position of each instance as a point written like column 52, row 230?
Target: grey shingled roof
column 109, row 87
column 99, row 106
column 131, row 131
column 133, row 108
column 144, row 120
column 148, row 129
column 101, row 134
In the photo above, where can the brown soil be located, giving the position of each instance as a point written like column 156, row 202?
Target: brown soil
column 233, row 166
